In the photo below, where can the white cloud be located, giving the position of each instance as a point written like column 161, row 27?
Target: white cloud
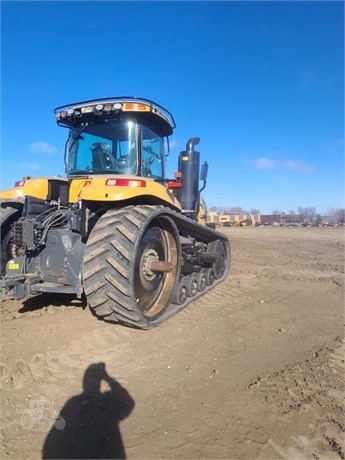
column 42, row 147
column 299, row 166
column 267, row 164
column 264, row 163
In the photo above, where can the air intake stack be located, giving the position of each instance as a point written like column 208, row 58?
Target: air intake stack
column 189, row 166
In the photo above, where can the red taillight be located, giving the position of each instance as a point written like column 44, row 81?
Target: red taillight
column 126, row 182
column 19, row 183
column 174, row 184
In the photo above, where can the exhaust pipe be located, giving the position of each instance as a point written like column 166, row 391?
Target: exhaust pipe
column 192, row 143
column 189, row 166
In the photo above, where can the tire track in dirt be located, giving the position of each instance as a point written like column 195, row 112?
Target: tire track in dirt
column 315, row 386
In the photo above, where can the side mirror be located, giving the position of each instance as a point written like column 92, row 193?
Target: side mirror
column 204, row 171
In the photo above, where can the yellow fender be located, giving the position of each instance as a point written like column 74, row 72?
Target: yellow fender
column 94, row 188
column 120, row 188
column 28, row 187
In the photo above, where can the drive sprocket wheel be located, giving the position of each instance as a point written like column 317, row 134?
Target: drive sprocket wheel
column 131, row 264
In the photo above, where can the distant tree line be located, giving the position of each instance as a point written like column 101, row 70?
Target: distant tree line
column 337, row 215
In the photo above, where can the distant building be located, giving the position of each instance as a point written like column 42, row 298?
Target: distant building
column 224, row 219
column 231, row 219
column 281, row 219
column 212, row 217
column 270, row 219
column 291, row 219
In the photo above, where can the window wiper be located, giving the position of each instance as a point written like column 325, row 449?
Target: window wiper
column 73, row 142
column 79, row 172
column 78, row 135
column 82, row 172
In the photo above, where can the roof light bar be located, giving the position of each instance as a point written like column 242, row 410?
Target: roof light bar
column 113, row 105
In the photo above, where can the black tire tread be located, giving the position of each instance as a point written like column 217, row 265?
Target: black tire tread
column 107, row 264
column 8, row 215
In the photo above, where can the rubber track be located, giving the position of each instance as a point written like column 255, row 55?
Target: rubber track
column 8, row 215
column 110, row 255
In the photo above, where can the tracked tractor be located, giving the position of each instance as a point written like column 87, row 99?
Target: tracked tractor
column 115, row 228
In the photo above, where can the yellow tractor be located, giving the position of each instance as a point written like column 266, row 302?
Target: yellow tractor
column 115, row 228
column 245, row 222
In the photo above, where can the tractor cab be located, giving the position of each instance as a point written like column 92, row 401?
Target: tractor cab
column 120, row 136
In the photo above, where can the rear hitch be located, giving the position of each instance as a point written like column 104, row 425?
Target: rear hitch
column 17, row 287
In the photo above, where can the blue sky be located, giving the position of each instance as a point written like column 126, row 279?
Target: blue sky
column 261, row 83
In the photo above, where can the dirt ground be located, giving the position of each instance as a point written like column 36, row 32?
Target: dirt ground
column 252, row 370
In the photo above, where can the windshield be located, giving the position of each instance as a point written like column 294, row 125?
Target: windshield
column 106, row 147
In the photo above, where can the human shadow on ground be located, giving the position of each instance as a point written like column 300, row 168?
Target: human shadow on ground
column 88, row 424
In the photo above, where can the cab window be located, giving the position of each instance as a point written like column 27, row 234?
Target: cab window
column 152, row 154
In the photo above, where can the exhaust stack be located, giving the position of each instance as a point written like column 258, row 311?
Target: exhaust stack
column 189, row 166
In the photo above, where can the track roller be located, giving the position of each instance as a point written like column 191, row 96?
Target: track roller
column 209, row 274
column 192, row 285
column 181, row 294
column 202, row 283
